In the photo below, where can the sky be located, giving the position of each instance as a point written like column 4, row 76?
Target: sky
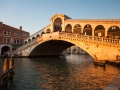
column 33, row 15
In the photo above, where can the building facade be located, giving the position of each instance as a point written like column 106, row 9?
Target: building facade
column 11, row 38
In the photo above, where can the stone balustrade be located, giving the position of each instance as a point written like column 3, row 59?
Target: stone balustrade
column 77, row 36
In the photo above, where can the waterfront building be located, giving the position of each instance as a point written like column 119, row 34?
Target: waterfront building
column 11, row 38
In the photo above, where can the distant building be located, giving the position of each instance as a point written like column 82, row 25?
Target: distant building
column 11, row 38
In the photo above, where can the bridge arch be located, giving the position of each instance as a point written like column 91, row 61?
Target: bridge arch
column 113, row 32
column 57, row 25
column 56, row 47
column 87, row 30
column 48, row 30
column 37, row 35
column 29, row 40
column 68, row 28
column 42, row 33
column 33, row 38
column 25, row 42
column 77, row 29
column 99, row 31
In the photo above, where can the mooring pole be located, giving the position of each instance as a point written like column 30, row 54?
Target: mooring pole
column 11, row 64
column 5, row 68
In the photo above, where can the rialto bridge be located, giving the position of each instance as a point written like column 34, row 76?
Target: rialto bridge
column 99, row 38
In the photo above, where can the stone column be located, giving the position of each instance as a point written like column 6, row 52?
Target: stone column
column 63, row 25
column 106, row 29
column 93, row 29
column 52, row 29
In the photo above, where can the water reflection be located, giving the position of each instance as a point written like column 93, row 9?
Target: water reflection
column 72, row 72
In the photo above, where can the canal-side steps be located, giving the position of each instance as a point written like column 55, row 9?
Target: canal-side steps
column 8, row 72
column 114, row 85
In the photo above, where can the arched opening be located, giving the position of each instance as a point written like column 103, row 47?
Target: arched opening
column 87, row 30
column 46, row 49
column 37, row 35
column 99, row 31
column 48, row 30
column 25, row 42
column 42, row 33
column 68, row 28
column 29, row 40
column 33, row 38
column 57, row 25
column 113, row 32
column 77, row 29
column 5, row 49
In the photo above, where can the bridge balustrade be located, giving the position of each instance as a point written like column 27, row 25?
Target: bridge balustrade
column 95, row 38
column 31, row 43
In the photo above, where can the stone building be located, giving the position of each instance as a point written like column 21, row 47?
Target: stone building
column 11, row 38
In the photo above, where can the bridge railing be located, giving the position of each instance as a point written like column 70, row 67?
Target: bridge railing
column 30, row 43
column 96, row 38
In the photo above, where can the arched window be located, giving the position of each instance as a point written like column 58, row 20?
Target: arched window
column 77, row 29
column 37, row 35
column 48, row 31
column 29, row 40
column 87, row 30
column 113, row 32
column 33, row 38
column 58, row 24
column 68, row 28
column 99, row 31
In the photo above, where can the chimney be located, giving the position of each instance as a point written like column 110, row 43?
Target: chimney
column 20, row 27
column 1, row 23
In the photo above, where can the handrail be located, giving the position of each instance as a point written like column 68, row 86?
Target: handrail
column 95, row 38
column 30, row 43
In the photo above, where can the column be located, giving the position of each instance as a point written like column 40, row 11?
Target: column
column 63, row 25
column 52, row 26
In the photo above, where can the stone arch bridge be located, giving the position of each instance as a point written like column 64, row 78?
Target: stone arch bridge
column 98, row 37
column 52, row 44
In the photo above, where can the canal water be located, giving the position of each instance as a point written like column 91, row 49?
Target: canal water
column 71, row 72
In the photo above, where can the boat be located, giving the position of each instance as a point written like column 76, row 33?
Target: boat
column 99, row 63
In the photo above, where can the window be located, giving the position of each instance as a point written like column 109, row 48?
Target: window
column 16, row 41
column 7, row 32
column 87, row 25
column 25, row 35
column 4, row 32
column 6, row 40
column 113, row 27
column 16, row 33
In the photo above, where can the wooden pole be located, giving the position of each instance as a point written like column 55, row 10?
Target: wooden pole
column 5, row 68
column 10, row 66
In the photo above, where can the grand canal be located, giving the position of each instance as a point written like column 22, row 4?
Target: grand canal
column 71, row 72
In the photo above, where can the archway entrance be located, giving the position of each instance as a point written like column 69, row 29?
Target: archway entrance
column 113, row 32
column 48, row 31
column 77, row 29
column 68, row 28
column 99, row 31
column 5, row 49
column 87, row 30
column 57, row 25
